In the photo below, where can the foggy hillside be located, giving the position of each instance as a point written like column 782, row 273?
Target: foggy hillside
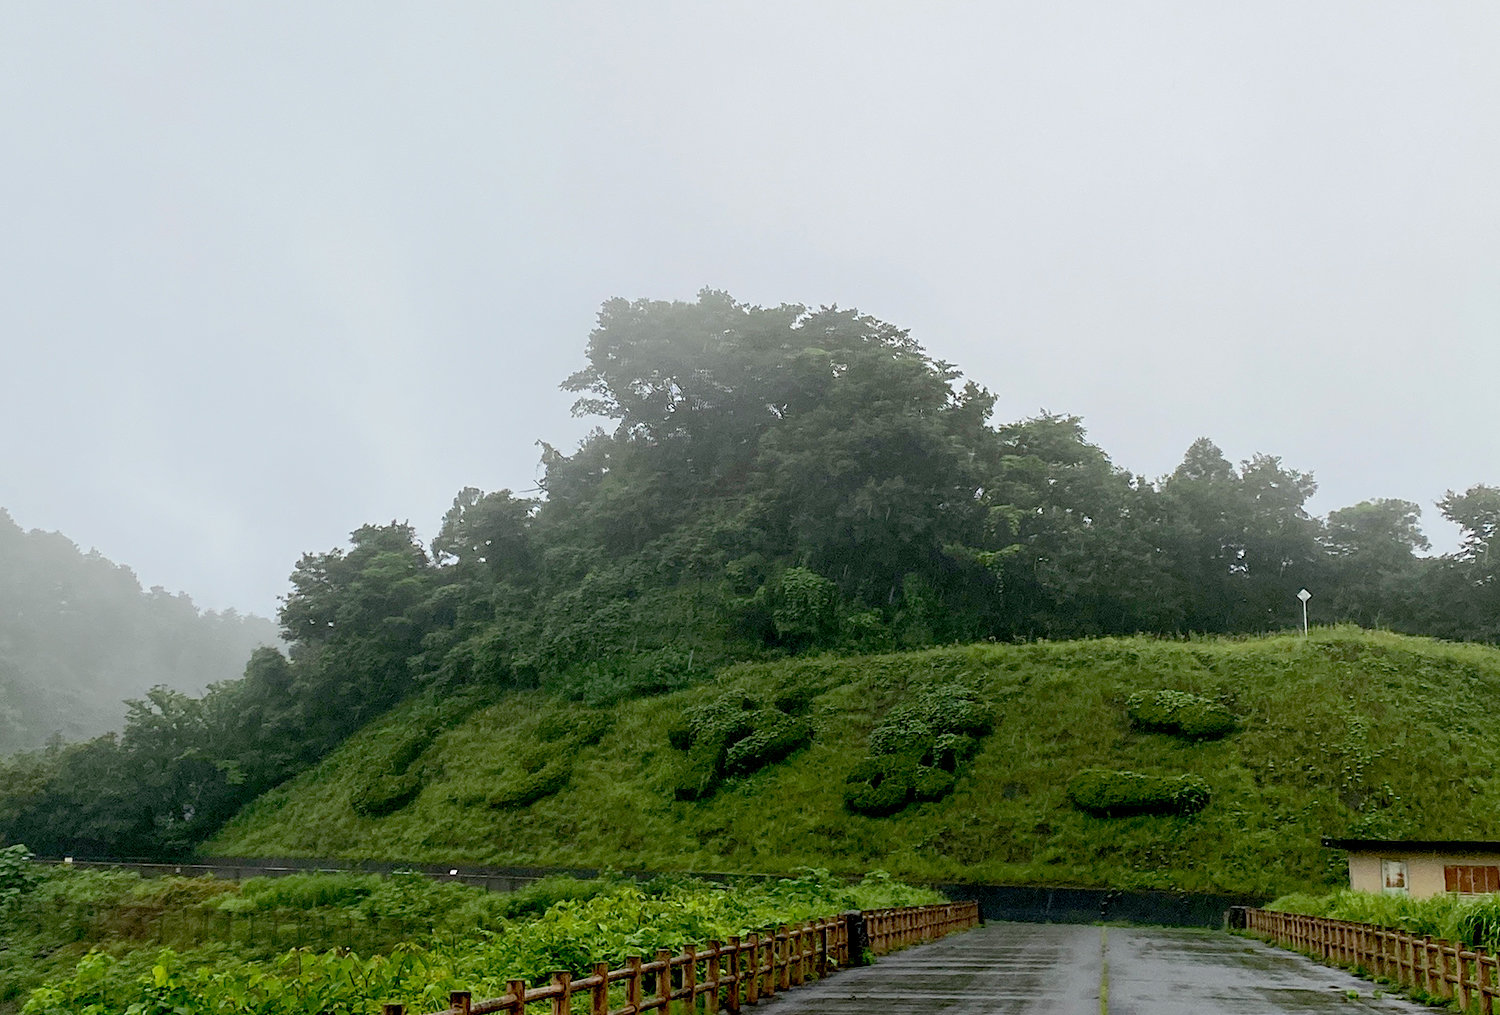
column 78, row 636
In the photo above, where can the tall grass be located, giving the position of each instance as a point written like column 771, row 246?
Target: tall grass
column 1471, row 919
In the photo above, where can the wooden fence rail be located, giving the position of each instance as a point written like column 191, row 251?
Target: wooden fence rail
column 715, row 976
column 1468, row 976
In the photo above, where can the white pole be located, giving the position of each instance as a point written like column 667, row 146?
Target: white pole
column 1304, row 595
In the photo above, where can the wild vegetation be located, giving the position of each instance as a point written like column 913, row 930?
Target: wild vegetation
column 1472, row 920
column 96, row 942
column 770, row 483
column 1343, row 733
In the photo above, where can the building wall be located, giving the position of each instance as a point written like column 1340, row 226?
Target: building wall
column 1364, row 872
column 1424, row 871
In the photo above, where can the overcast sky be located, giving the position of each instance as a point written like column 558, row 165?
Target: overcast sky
column 270, row 271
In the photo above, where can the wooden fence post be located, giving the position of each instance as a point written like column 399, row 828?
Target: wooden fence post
column 714, row 974
column 633, row 982
column 1442, row 971
column 460, row 1001
column 562, row 1003
column 1461, row 982
column 517, row 990
column 664, row 981
column 752, row 978
column 599, row 995
column 1482, row 977
column 732, row 999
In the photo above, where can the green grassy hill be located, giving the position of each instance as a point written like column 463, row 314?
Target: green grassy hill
column 1343, row 733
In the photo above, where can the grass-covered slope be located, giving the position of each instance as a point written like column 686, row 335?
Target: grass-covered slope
column 1344, row 733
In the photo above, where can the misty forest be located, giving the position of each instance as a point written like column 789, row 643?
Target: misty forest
column 79, row 636
column 766, row 482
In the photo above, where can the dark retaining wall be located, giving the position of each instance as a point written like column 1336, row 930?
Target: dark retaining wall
column 1098, row 905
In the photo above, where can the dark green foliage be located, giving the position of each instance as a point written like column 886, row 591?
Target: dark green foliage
column 547, row 766
column 794, row 698
column 1110, row 794
column 736, row 735
column 950, row 711
column 805, row 610
column 1180, row 714
column 916, row 751
column 880, row 786
column 389, row 783
column 529, row 787
column 578, row 727
column 385, row 794
column 774, row 737
column 18, row 875
column 932, row 783
column 680, row 735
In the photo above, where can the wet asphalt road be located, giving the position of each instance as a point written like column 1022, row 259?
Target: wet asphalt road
column 1058, row 969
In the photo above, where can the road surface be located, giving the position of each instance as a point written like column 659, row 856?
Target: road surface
column 1067, row 969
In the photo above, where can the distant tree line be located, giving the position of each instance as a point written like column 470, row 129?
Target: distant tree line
column 771, row 480
column 78, row 635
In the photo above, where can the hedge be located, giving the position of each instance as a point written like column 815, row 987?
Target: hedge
column 1110, row 794
column 1180, row 714
column 736, row 734
column 917, row 750
column 385, row 794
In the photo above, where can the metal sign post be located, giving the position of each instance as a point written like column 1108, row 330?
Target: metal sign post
column 1304, row 595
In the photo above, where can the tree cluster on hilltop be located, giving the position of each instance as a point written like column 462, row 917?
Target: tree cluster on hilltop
column 772, row 480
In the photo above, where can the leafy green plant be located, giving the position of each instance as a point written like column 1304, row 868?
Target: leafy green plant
column 472, row 940
column 734, row 735
column 1180, row 714
column 916, row 751
column 1111, row 794
column 18, row 874
column 805, row 607
column 880, row 786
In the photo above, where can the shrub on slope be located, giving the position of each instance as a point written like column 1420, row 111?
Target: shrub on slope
column 1108, row 794
column 1180, row 714
column 916, row 751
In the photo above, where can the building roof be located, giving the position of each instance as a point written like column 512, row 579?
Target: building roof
column 1415, row 845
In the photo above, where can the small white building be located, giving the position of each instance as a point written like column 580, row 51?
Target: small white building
column 1421, row 868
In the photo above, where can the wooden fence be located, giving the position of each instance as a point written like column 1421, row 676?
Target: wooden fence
column 717, row 976
column 1468, row 976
